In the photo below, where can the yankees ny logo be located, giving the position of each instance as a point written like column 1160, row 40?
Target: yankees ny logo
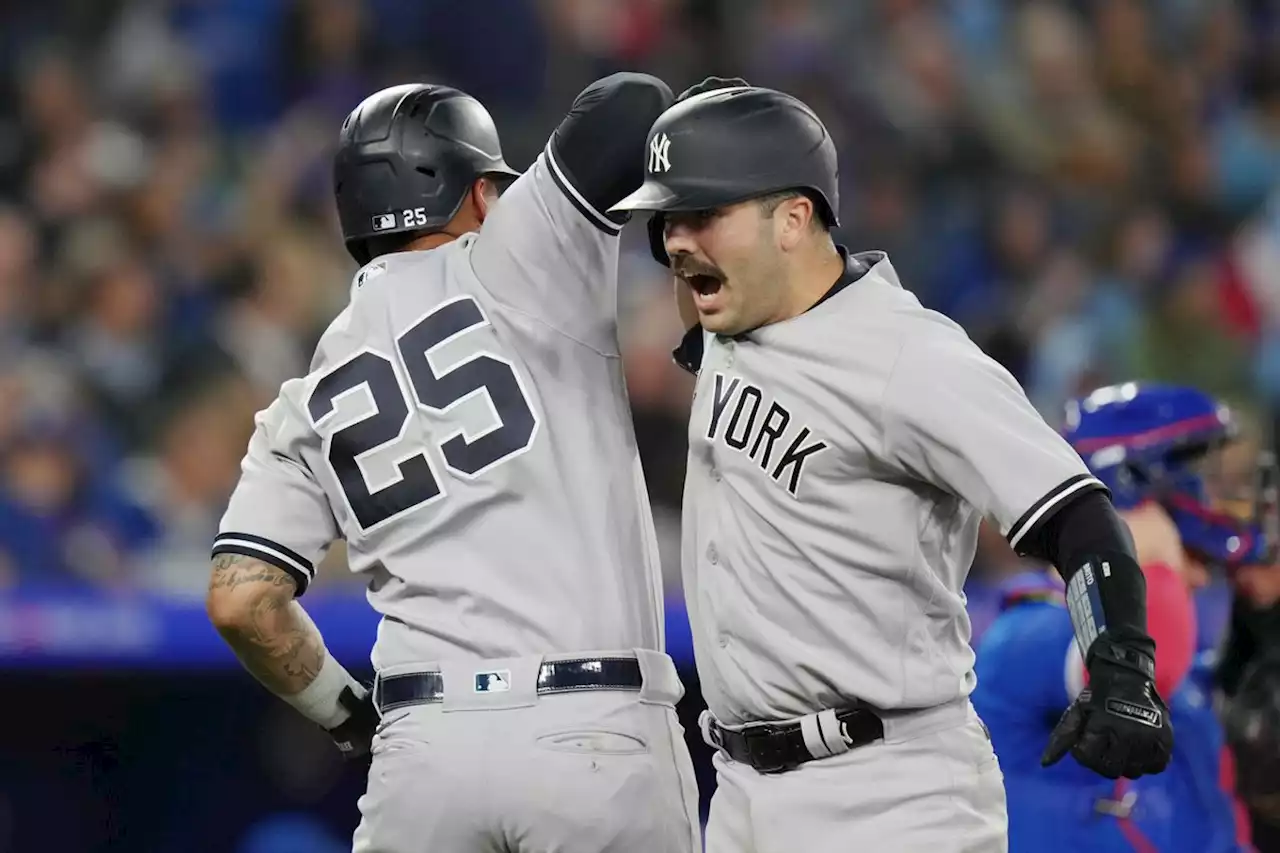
column 659, row 153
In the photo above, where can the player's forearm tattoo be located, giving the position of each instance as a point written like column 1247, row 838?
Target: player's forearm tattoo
column 233, row 570
column 269, row 632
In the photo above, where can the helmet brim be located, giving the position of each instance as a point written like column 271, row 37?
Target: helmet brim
column 657, row 197
column 651, row 196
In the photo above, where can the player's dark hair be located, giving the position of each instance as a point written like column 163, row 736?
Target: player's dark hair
column 770, row 203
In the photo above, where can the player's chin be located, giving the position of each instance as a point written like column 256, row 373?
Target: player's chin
column 716, row 313
column 718, row 321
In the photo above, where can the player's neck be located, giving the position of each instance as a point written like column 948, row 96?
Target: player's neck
column 430, row 241
column 464, row 221
column 810, row 281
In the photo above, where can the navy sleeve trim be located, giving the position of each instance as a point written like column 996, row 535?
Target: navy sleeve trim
column 273, row 553
column 688, row 356
column 1043, row 509
column 595, row 217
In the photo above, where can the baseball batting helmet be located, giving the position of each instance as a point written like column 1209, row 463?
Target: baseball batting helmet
column 1145, row 441
column 407, row 157
column 729, row 145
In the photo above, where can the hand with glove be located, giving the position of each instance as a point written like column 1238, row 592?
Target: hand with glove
column 711, row 84
column 1118, row 725
column 354, row 736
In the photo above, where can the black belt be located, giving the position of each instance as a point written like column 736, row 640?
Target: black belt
column 561, row 676
column 777, row 747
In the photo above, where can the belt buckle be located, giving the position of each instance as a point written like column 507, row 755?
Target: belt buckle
column 765, row 756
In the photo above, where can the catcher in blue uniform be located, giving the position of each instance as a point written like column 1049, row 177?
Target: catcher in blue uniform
column 1152, row 445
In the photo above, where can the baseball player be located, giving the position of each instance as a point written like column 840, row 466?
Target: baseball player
column 844, row 444
column 465, row 429
column 1146, row 444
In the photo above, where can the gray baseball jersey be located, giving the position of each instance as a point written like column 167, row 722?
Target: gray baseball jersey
column 465, row 428
column 839, row 465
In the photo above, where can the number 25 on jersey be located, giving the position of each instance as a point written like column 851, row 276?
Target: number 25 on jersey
column 437, row 391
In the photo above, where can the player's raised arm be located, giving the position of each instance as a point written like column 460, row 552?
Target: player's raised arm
column 955, row 417
column 277, row 524
column 550, row 246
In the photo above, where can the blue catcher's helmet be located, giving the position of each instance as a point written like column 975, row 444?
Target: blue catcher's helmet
column 1146, row 442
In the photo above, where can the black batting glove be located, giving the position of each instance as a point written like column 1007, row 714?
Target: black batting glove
column 711, row 84
column 1118, row 725
column 354, row 736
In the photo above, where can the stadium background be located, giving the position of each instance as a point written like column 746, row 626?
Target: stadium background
column 1089, row 187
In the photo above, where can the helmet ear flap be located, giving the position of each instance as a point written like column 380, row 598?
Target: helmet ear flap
column 657, row 238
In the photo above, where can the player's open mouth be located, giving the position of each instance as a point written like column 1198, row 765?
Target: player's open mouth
column 703, row 284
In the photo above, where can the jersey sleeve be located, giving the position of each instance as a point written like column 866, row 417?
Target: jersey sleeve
column 955, row 418
column 544, row 254
column 278, row 512
column 549, row 249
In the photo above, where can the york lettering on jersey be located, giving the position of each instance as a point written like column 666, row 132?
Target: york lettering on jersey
column 766, row 432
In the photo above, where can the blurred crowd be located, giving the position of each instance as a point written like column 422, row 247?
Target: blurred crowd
column 1089, row 187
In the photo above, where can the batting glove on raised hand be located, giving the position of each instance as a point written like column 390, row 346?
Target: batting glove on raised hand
column 354, row 736
column 711, row 84
column 1118, row 725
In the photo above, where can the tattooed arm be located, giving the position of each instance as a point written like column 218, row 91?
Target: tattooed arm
column 251, row 603
column 278, row 523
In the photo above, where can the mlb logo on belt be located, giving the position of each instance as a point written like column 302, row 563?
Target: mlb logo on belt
column 384, row 222
column 493, row 682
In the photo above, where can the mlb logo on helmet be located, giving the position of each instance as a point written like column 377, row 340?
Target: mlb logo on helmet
column 384, row 222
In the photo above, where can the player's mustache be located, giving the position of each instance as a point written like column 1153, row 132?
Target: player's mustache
column 685, row 267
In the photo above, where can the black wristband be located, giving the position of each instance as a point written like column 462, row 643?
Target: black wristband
column 1107, row 595
column 1104, row 649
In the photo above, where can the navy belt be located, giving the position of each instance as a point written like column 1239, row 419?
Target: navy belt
column 561, row 676
column 778, row 747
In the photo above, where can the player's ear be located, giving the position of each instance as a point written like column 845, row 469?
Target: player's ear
column 795, row 216
column 484, row 193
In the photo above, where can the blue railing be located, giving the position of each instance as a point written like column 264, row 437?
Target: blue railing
column 63, row 628
column 53, row 628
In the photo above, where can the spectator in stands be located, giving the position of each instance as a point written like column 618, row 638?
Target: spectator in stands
column 117, row 342
column 202, row 433
column 1187, row 339
column 59, row 522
